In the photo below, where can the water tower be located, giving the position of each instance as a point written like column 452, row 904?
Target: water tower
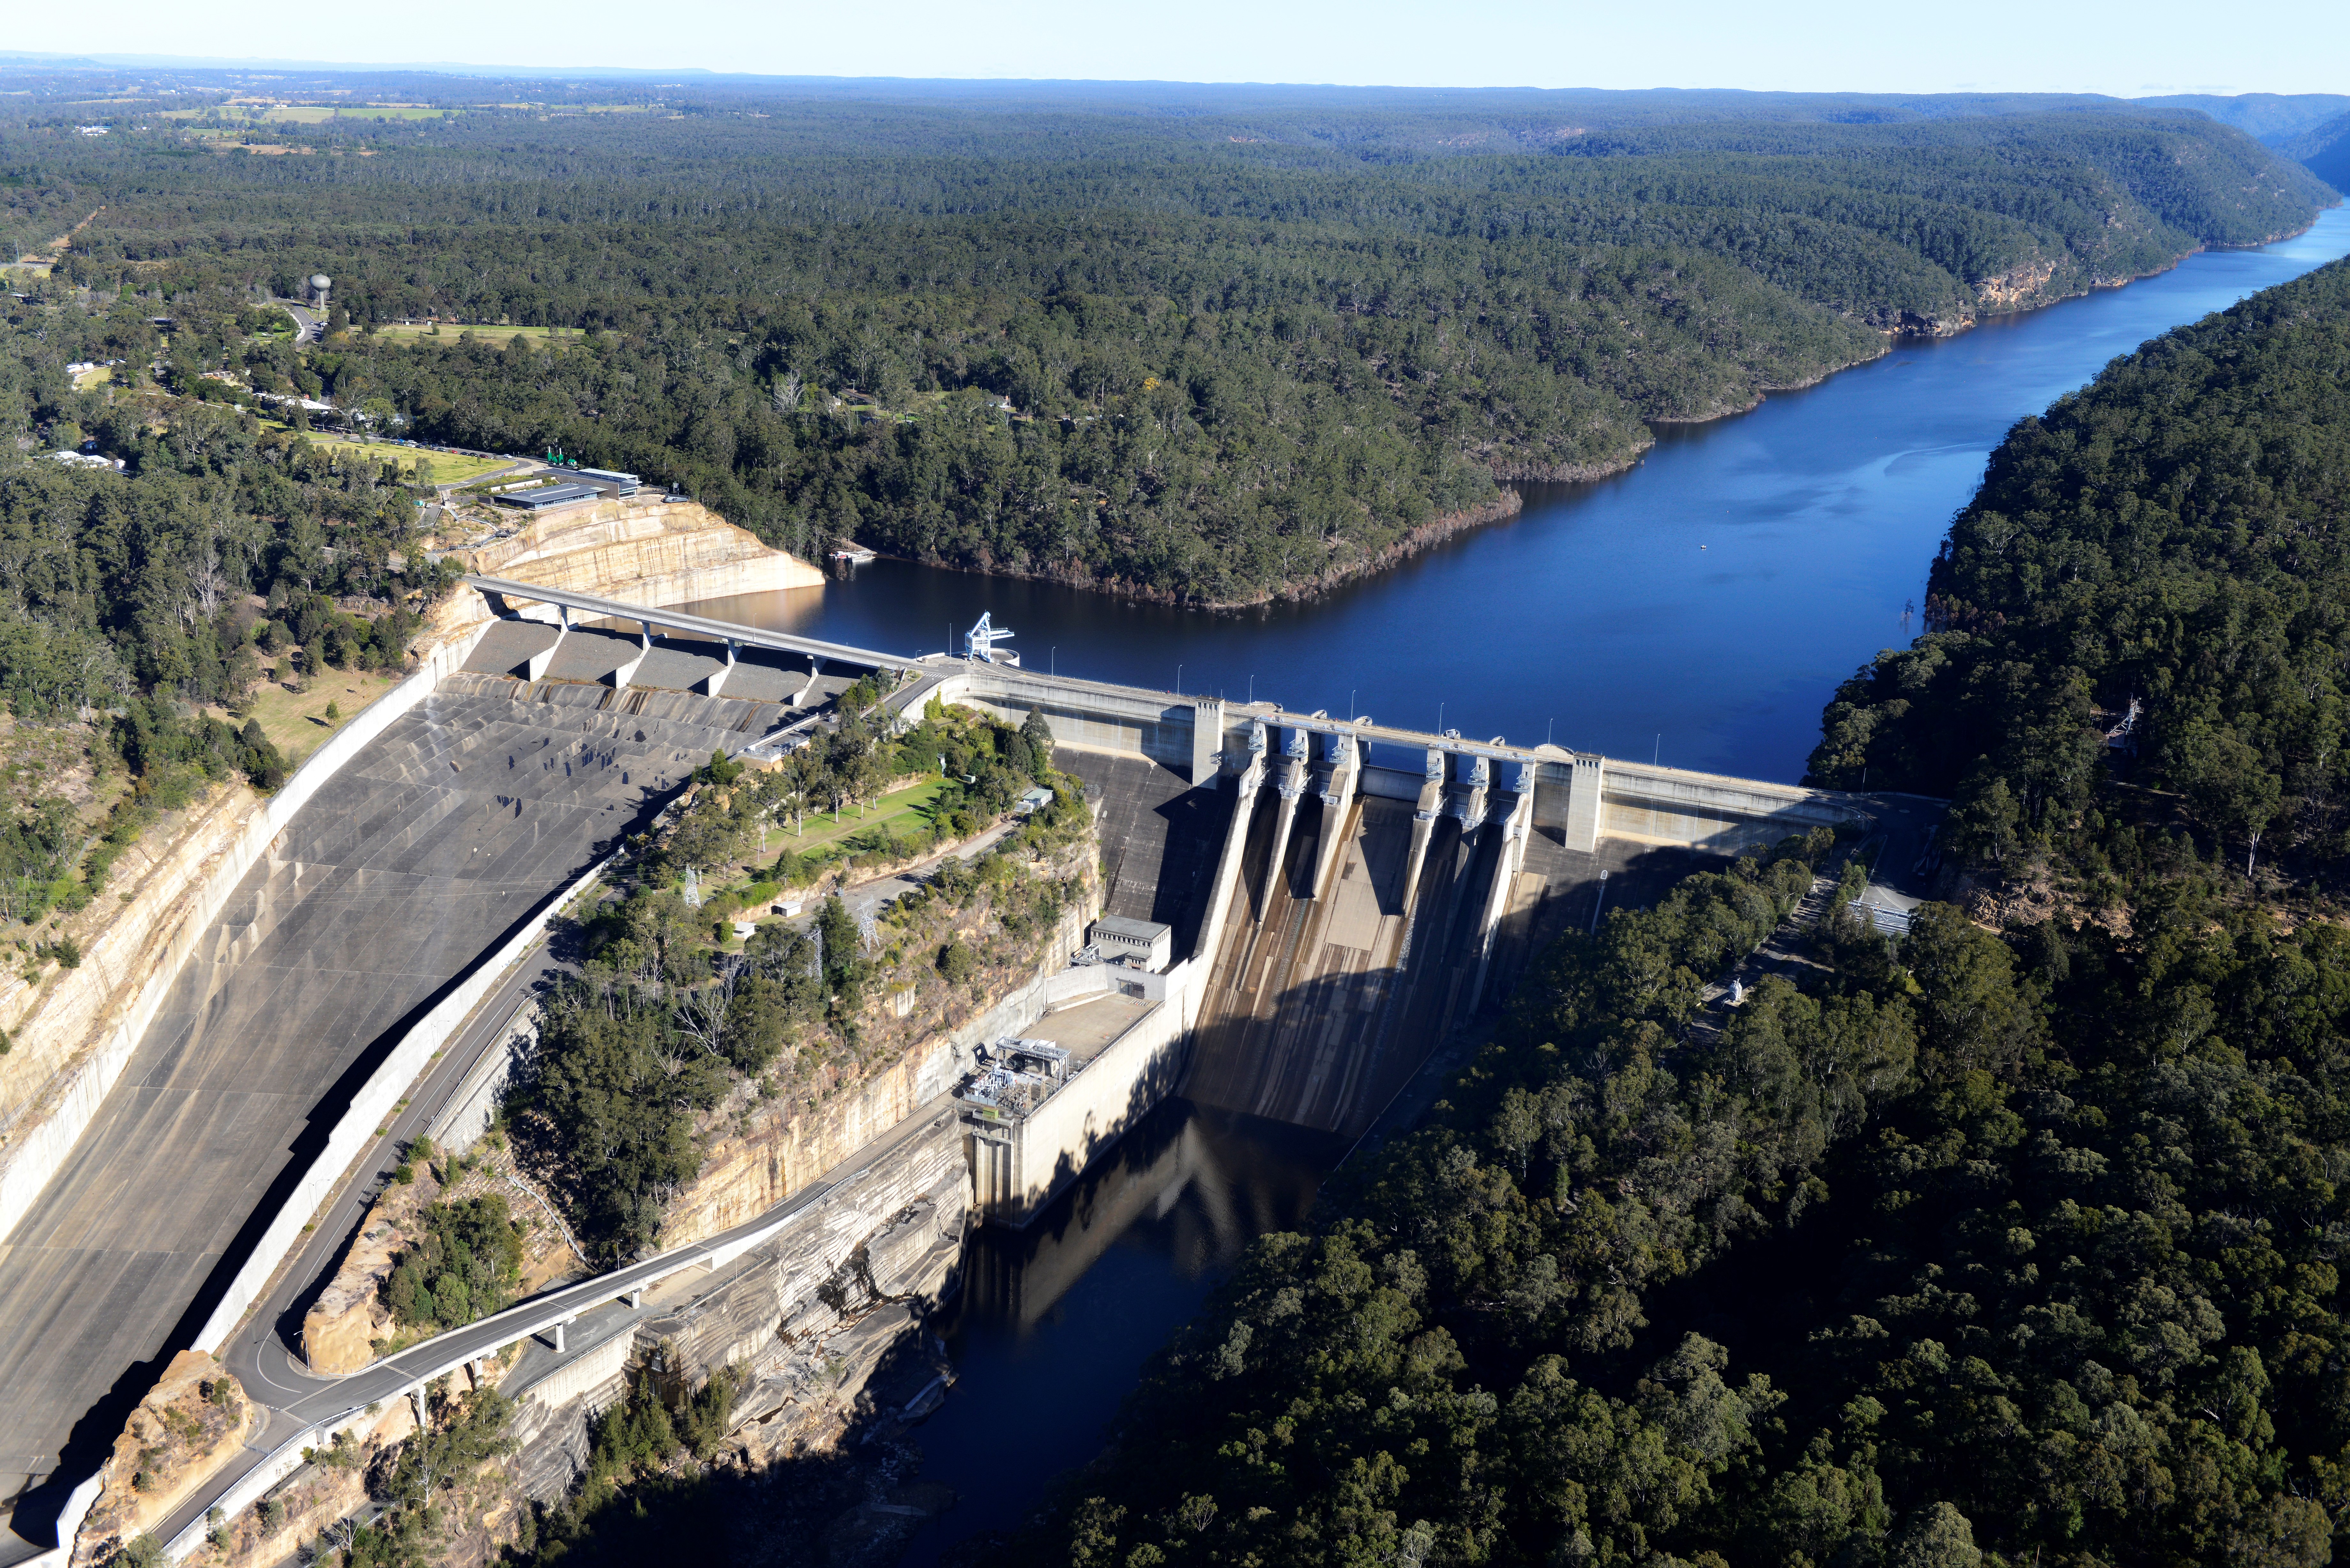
column 320, row 284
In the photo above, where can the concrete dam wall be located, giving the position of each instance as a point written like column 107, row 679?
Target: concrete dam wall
column 1378, row 886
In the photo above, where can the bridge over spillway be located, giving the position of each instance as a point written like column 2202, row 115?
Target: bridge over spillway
column 1340, row 891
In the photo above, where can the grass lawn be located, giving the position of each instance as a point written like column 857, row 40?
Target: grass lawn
column 899, row 815
column 97, row 375
column 448, row 467
column 392, row 332
column 297, row 721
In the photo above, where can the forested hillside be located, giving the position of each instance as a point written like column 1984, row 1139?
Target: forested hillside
column 1208, row 356
column 2171, row 536
column 2016, row 1245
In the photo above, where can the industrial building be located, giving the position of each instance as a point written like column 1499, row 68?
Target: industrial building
column 551, row 495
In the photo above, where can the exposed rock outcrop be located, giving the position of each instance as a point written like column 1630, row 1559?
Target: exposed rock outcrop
column 644, row 550
column 341, row 1331
column 190, row 1425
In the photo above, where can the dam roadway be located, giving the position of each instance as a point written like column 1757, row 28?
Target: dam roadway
column 554, row 740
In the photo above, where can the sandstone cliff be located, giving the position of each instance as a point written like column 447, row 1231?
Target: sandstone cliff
column 149, row 903
column 189, row 1424
column 341, row 1330
column 644, row 550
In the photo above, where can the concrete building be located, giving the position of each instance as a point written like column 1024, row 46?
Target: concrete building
column 1142, row 944
column 1039, row 1107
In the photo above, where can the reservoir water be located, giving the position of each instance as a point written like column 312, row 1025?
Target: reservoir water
column 1700, row 607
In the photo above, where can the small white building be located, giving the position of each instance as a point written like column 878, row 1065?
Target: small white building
column 1139, row 944
column 1034, row 800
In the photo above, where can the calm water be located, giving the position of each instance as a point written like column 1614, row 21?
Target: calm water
column 1701, row 606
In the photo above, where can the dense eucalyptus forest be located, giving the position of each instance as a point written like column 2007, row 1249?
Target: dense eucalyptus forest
column 2013, row 1241
column 1206, row 352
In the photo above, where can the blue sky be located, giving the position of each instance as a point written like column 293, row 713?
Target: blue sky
column 2126, row 49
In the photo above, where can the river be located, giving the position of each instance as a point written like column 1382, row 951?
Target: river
column 1699, row 608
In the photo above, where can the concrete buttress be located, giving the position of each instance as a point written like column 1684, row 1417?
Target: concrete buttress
column 1515, row 828
column 1582, row 804
column 1291, row 788
column 1423, row 822
column 1341, row 767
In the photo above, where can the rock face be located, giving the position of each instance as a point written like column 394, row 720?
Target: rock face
column 58, row 1022
column 190, row 1425
column 764, row 1154
column 806, row 1320
column 641, row 550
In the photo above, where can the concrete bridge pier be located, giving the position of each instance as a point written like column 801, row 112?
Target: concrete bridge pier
column 1423, row 824
column 1342, row 764
column 715, row 681
column 626, row 673
column 537, row 666
column 799, row 699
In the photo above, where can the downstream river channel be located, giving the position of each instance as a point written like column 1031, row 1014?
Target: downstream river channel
column 1698, row 607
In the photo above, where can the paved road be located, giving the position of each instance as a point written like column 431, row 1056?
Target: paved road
column 594, row 1310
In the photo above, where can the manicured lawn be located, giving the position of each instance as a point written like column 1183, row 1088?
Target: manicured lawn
column 901, row 815
column 97, row 375
column 392, row 332
column 448, row 467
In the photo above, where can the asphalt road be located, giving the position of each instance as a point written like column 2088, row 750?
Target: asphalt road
column 595, row 1310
